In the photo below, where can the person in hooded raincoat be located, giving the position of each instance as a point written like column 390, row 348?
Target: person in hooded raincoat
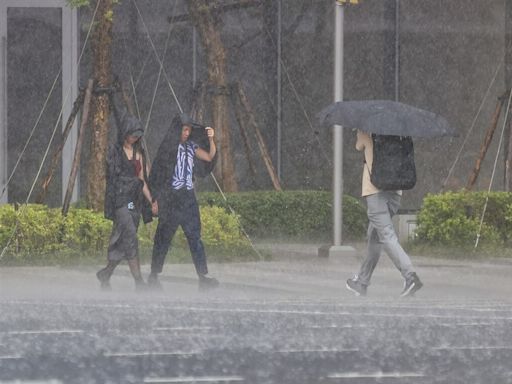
column 188, row 150
column 127, row 198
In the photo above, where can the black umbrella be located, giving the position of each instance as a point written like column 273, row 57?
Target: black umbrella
column 385, row 117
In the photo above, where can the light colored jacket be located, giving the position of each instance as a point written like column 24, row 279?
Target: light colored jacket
column 364, row 143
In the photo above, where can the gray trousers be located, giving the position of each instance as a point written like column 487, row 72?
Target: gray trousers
column 381, row 207
column 123, row 242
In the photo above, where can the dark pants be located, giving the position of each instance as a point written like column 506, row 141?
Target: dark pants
column 177, row 208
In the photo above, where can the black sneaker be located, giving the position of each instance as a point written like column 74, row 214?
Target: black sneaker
column 356, row 286
column 153, row 282
column 206, row 282
column 104, row 278
column 412, row 284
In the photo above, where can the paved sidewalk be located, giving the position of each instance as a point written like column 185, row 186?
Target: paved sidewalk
column 296, row 272
column 289, row 320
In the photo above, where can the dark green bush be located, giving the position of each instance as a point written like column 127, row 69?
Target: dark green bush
column 295, row 214
column 453, row 219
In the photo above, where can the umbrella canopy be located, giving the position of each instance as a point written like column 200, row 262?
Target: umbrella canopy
column 385, row 117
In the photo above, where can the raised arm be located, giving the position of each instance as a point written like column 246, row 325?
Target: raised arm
column 201, row 153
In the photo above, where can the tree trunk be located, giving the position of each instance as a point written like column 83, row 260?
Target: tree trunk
column 102, row 73
column 209, row 26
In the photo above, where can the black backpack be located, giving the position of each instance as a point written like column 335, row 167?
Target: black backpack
column 393, row 162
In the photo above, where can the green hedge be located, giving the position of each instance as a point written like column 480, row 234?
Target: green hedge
column 294, row 214
column 452, row 219
column 43, row 236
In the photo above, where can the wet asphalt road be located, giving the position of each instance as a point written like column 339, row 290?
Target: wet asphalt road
column 304, row 328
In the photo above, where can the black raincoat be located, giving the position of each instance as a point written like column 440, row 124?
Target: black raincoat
column 163, row 165
column 123, row 186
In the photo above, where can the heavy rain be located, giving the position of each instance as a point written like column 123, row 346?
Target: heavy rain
column 260, row 235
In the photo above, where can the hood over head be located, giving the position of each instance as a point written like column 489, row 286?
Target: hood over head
column 127, row 124
column 187, row 120
column 165, row 159
column 132, row 126
column 197, row 135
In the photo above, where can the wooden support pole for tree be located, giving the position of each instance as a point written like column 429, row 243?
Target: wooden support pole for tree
column 58, row 153
column 485, row 145
column 198, row 103
column 243, row 133
column 259, row 137
column 78, row 148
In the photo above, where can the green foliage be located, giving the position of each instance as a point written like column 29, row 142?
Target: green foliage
column 220, row 232
column 220, row 228
column 7, row 223
column 109, row 15
column 86, row 230
column 38, row 230
column 453, row 219
column 43, row 236
column 296, row 214
column 84, row 3
column 78, row 3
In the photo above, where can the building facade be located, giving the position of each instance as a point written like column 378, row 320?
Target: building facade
column 446, row 57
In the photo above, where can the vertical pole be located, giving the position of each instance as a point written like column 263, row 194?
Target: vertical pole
column 194, row 57
column 337, row 131
column 69, row 90
column 3, row 105
column 3, row 116
column 337, row 249
column 279, row 89
column 508, row 84
column 397, row 50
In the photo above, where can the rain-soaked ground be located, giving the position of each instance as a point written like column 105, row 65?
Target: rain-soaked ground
column 285, row 321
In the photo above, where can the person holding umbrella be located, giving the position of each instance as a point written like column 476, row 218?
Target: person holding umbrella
column 390, row 125
column 187, row 150
column 382, row 205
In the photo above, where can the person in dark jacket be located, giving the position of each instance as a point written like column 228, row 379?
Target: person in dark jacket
column 127, row 197
column 187, row 150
